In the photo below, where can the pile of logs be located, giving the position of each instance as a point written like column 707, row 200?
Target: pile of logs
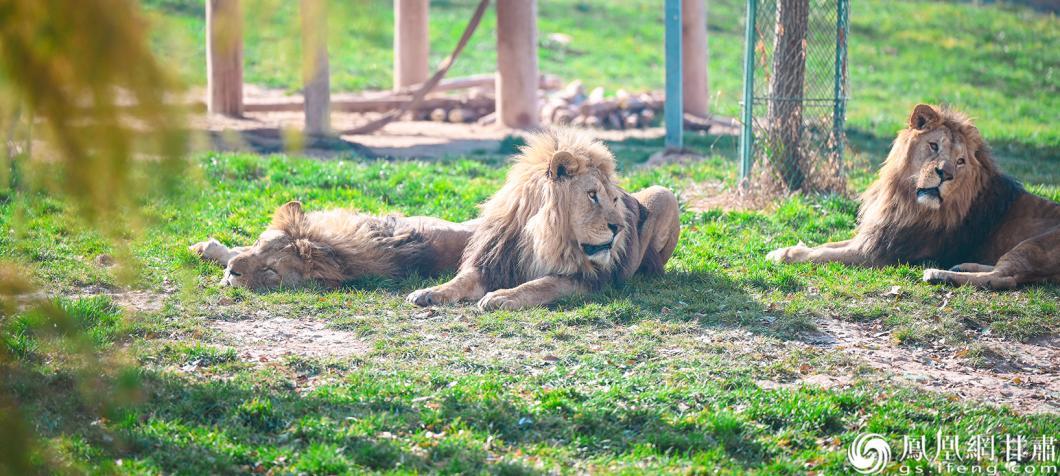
column 571, row 106
column 471, row 100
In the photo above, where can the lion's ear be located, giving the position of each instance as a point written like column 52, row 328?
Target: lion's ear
column 288, row 215
column 924, row 116
column 322, row 261
column 561, row 165
column 309, row 250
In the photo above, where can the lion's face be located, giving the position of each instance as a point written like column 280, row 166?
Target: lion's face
column 596, row 216
column 272, row 262
column 940, row 162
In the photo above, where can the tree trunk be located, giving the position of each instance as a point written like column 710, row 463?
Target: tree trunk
column 696, row 94
column 786, row 90
column 517, row 74
column 412, row 46
column 315, row 70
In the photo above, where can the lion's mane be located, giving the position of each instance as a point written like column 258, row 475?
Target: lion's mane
column 526, row 226
column 896, row 228
column 340, row 245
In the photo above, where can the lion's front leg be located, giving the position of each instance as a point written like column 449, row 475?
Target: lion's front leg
column 660, row 231
column 538, row 292
column 467, row 285
column 846, row 252
column 213, row 250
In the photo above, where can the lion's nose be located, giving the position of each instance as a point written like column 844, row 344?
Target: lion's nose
column 614, row 227
column 943, row 174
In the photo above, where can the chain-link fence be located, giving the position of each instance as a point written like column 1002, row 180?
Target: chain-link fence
column 795, row 95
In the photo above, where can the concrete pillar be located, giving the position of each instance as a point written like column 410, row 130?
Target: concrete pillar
column 412, row 45
column 517, row 76
column 224, row 57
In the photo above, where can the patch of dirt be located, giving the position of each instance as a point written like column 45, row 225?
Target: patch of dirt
column 144, row 301
column 1027, row 379
column 715, row 195
column 261, row 340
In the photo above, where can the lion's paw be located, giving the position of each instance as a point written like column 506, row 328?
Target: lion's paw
column 935, row 276
column 203, row 248
column 423, row 297
column 786, row 255
column 497, row 300
column 211, row 250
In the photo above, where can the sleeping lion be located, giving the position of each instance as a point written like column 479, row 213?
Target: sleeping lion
column 941, row 198
column 329, row 248
column 560, row 225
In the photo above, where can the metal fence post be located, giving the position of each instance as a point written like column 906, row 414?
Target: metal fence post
column 674, row 115
column 839, row 114
column 746, row 136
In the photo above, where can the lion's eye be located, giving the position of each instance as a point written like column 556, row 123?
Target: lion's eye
column 593, row 197
column 934, row 146
column 960, row 161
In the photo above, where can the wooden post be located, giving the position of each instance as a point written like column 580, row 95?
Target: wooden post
column 224, row 57
column 517, row 77
column 412, row 45
column 694, row 57
column 315, row 71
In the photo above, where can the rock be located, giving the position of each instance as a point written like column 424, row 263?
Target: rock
column 104, row 260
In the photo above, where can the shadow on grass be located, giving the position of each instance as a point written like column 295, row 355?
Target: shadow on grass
column 709, row 299
column 223, row 426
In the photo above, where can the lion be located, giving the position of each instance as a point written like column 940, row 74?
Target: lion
column 333, row 247
column 940, row 198
column 560, row 225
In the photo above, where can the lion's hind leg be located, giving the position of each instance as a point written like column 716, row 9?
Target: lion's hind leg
column 972, row 268
column 989, row 279
column 1034, row 259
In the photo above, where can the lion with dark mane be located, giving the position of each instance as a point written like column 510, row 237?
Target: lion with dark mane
column 940, row 198
column 560, row 225
column 329, row 248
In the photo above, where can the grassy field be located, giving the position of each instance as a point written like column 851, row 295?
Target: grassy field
column 663, row 373
column 697, row 370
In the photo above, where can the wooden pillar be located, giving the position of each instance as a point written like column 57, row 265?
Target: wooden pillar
column 412, row 45
column 517, row 78
column 694, row 57
column 224, row 57
column 315, row 71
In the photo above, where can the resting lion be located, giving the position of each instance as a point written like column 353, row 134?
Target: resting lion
column 332, row 247
column 941, row 198
column 559, row 226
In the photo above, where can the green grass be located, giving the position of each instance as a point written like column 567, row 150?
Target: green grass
column 997, row 62
column 661, row 374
